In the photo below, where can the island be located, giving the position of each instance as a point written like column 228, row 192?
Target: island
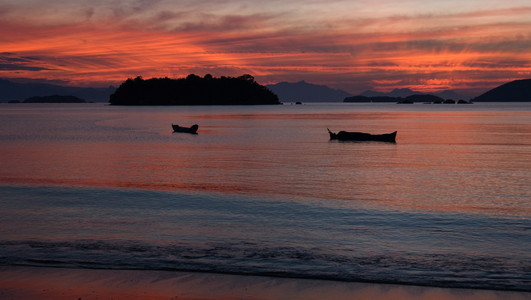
column 514, row 91
column 54, row 99
column 193, row 90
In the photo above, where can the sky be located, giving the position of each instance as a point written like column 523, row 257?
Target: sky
column 354, row 45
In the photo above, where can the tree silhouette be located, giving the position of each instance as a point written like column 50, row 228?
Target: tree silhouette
column 193, row 90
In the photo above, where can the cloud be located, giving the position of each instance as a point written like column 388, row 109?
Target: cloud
column 12, row 62
column 347, row 44
column 14, row 67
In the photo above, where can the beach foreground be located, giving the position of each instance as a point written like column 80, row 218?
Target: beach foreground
column 60, row 283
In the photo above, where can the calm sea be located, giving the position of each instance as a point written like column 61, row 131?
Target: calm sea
column 262, row 190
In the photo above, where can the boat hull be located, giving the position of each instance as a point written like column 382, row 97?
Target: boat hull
column 362, row 136
column 192, row 129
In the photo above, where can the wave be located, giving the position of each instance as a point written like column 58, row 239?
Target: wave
column 441, row 270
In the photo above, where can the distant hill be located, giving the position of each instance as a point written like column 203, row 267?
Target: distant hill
column 514, row 91
column 409, row 99
column 307, row 92
column 394, row 93
column 376, row 99
column 10, row 90
column 54, row 99
column 405, row 92
column 193, row 90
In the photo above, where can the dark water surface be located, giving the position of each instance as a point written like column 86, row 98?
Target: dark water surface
column 261, row 190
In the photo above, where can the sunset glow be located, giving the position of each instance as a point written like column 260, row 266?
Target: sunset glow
column 352, row 45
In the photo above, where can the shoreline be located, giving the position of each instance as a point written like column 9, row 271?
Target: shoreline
column 43, row 283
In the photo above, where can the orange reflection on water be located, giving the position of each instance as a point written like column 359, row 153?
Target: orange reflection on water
column 443, row 160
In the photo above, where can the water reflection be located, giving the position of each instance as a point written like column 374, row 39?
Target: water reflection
column 443, row 160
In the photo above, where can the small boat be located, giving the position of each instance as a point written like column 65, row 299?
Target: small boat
column 192, row 129
column 362, row 137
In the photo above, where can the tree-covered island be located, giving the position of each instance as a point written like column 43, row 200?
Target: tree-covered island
column 193, row 90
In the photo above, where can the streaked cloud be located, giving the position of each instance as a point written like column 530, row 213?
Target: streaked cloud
column 353, row 45
column 12, row 62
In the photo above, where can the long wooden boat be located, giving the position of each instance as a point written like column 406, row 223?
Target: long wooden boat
column 362, row 136
column 192, row 129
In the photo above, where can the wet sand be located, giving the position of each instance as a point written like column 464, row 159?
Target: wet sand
column 57, row 283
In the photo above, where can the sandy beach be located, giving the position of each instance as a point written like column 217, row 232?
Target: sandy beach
column 85, row 284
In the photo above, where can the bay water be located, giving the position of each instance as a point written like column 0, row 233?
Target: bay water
column 261, row 190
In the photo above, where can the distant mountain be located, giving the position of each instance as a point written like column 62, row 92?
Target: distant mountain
column 307, row 92
column 405, row 92
column 514, row 91
column 10, row 91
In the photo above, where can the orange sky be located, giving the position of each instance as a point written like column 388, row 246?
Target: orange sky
column 424, row 45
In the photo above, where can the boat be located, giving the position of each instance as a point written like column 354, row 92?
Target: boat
column 362, row 136
column 192, row 129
